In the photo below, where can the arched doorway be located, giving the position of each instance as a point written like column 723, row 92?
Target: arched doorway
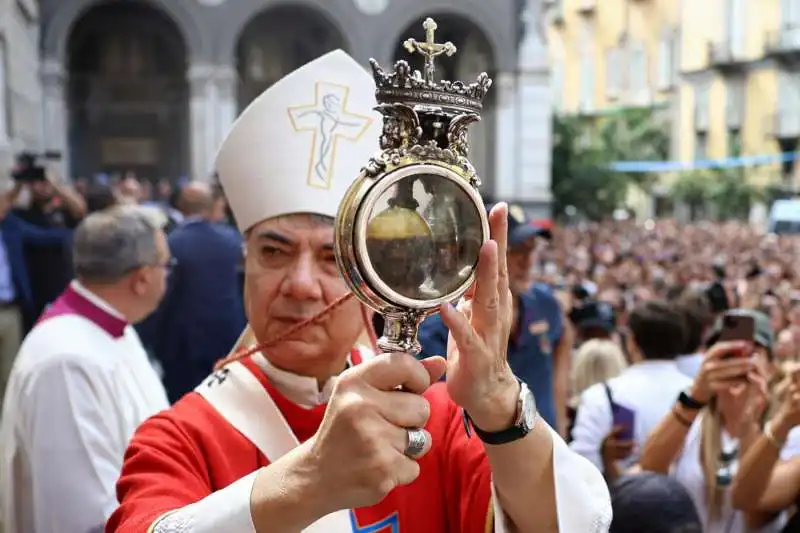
column 276, row 42
column 128, row 94
column 474, row 56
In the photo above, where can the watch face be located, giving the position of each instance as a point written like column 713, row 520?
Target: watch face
column 528, row 411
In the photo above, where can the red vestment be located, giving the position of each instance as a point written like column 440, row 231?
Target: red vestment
column 190, row 451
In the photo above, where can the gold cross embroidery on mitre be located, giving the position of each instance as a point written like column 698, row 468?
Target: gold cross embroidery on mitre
column 329, row 121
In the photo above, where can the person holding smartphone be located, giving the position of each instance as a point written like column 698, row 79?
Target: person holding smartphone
column 700, row 440
column 614, row 418
column 768, row 480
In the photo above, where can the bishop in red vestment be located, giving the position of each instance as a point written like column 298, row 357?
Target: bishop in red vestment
column 310, row 434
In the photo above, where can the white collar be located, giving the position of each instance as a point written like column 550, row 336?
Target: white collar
column 300, row 390
column 78, row 287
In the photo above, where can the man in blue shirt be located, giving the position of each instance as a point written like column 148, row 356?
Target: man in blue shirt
column 16, row 289
column 539, row 348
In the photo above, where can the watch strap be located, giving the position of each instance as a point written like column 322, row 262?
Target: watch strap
column 496, row 438
column 689, row 403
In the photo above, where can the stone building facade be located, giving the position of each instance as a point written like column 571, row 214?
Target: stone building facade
column 154, row 86
column 20, row 89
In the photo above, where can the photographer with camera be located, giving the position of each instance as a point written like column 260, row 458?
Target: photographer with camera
column 52, row 205
column 16, row 293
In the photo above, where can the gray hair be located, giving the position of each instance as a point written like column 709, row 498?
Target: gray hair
column 110, row 244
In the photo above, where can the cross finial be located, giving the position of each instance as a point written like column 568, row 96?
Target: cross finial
column 430, row 49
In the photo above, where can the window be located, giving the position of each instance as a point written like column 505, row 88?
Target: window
column 613, row 73
column 667, row 60
column 557, row 73
column 639, row 78
column 734, row 142
column 790, row 14
column 557, row 83
column 587, row 73
column 700, row 146
column 788, row 92
column 701, row 108
column 734, row 105
column 587, row 83
column 736, row 26
column 556, row 11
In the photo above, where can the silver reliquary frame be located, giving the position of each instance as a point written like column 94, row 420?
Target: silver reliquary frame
column 410, row 228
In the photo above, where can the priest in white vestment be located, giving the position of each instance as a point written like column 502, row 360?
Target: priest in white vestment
column 82, row 381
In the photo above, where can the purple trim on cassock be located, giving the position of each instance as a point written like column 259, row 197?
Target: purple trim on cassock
column 73, row 303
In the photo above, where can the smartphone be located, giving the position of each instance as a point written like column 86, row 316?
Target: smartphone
column 737, row 328
column 623, row 417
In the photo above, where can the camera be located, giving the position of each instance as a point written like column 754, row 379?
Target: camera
column 29, row 165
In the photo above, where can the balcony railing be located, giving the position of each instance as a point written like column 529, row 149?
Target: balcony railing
column 722, row 55
column 783, row 42
column 786, row 123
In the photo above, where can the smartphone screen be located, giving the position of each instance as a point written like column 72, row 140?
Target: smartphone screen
column 623, row 417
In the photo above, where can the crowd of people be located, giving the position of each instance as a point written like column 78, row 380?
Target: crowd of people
column 38, row 220
column 683, row 388
column 649, row 368
column 617, row 335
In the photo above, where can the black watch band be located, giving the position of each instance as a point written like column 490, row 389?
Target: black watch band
column 690, row 403
column 526, row 418
column 495, row 438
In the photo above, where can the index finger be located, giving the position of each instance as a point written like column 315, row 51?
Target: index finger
column 390, row 371
column 498, row 225
column 722, row 349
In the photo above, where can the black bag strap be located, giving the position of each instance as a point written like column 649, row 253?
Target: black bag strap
column 608, row 394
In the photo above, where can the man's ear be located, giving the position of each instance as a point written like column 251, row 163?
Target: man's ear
column 137, row 281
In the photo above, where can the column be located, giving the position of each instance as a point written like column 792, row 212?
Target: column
column 534, row 134
column 534, row 127
column 227, row 80
column 54, row 115
column 212, row 108
column 505, row 138
column 201, row 131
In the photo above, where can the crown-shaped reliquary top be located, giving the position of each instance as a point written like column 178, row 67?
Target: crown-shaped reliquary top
column 424, row 117
column 413, row 87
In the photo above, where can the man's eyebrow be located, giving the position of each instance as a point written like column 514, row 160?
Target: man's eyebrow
column 274, row 236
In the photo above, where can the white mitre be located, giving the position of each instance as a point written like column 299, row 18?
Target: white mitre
column 301, row 143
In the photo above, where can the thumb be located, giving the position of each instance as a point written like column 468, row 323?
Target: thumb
column 436, row 367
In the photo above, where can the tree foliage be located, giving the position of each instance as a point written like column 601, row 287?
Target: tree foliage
column 585, row 147
column 727, row 191
column 581, row 177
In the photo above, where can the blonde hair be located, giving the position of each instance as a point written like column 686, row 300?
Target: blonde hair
column 597, row 360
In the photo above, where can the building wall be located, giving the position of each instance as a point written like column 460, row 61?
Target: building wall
column 613, row 53
column 211, row 30
column 20, row 87
column 745, row 86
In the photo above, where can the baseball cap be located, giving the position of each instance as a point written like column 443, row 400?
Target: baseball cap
column 593, row 314
column 652, row 503
column 521, row 229
column 763, row 335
